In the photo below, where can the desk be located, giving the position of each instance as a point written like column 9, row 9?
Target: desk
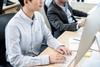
column 64, row 39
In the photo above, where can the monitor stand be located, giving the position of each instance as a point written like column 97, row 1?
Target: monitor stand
column 98, row 40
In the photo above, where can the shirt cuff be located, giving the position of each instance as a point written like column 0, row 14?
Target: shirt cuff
column 44, row 59
column 58, row 45
column 77, row 26
column 37, row 60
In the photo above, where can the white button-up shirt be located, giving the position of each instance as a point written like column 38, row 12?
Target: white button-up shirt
column 68, row 13
column 23, row 40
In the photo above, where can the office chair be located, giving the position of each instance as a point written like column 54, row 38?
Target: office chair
column 80, row 0
column 1, row 6
column 7, row 2
column 4, row 19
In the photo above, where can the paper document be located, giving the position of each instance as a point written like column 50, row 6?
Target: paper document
column 74, row 43
column 94, row 61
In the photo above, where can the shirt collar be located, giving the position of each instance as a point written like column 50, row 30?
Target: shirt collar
column 63, row 7
column 25, row 17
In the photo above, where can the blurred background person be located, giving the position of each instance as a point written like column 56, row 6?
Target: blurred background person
column 61, row 17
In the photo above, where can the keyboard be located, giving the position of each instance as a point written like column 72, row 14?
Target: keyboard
column 69, row 59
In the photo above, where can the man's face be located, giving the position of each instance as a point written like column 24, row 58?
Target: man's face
column 62, row 1
column 35, row 5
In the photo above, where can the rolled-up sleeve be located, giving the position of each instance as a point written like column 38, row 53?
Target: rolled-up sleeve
column 14, row 52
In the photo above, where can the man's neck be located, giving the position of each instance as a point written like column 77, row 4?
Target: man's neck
column 59, row 3
column 28, row 12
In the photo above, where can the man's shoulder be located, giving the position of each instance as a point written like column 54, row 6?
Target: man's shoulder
column 14, row 20
column 52, row 9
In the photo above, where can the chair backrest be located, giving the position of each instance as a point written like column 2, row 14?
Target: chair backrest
column 42, row 11
column 4, row 19
column 1, row 6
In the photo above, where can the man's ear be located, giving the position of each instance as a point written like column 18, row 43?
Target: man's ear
column 27, row 1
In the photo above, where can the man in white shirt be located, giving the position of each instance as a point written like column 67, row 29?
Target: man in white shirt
column 24, row 35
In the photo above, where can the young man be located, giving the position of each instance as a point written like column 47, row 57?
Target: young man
column 24, row 35
column 61, row 17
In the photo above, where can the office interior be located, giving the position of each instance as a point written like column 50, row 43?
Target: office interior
column 8, row 9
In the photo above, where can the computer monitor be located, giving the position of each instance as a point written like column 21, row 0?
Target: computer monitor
column 92, row 26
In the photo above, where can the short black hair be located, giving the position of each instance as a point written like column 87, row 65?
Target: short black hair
column 21, row 2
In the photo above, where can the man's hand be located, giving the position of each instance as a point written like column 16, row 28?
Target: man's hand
column 57, row 58
column 81, row 22
column 63, row 50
